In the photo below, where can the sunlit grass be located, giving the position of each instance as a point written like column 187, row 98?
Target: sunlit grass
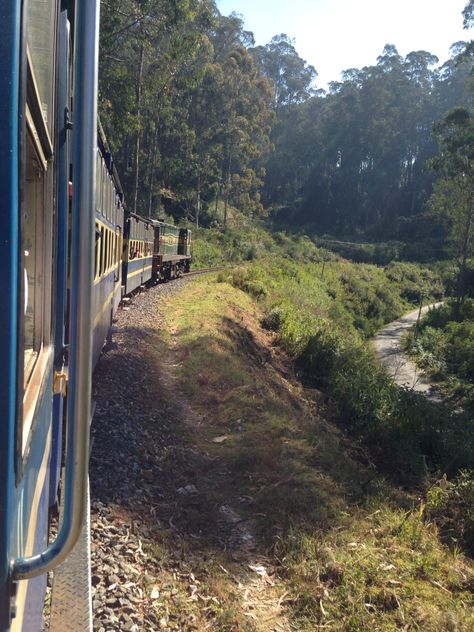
column 354, row 552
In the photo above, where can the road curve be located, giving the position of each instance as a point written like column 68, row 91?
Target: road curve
column 389, row 352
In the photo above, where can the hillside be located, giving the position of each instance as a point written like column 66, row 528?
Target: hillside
column 253, row 510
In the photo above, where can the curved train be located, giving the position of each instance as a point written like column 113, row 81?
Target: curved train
column 130, row 251
column 69, row 253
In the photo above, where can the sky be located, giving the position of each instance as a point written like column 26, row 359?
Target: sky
column 334, row 35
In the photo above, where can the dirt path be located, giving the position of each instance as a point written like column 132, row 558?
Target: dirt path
column 388, row 350
column 172, row 549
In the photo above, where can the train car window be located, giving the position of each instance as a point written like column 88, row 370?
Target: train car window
column 103, row 188
column 97, row 250
column 106, row 251
column 107, row 195
column 41, row 30
column 97, row 188
column 102, row 249
column 111, row 200
column 118, row 249
column 33, row 244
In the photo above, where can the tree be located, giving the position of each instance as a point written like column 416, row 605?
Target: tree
column 453, row 197
column 468, row 14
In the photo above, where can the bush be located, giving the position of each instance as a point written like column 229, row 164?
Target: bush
column 451, row 505
column 274, row 319
column 320, row 355
column 460, row 349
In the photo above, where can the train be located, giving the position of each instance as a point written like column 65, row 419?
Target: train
column 70, row 252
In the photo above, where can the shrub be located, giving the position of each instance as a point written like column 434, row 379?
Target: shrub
column 273, row 320
column 320, row 355
column 460, row 349
column 451, row 505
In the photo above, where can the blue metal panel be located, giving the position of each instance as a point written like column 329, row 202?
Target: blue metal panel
column 138, row 271
column 102, row 310
column 30, row 531
column 9, row 257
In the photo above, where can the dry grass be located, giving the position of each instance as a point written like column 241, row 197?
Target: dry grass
column 350, row 552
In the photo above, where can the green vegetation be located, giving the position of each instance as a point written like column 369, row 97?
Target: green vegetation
column 197, row 114
column 323, row 323
column 322, row 309
column 353, row 552
column 443, row 345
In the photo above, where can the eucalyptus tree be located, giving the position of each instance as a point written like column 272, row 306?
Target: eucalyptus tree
column 453, row 196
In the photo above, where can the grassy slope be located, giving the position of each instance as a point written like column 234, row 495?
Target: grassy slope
column 354, row 552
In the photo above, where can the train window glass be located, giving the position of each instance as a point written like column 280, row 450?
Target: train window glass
column 33, row 243
column 106, row 191
column 109, row 205
column 97, row 187
column 41, row 29
column 103, row 189
column 102, row 248
column 97, row 250
column 106, row 250
column 111, row 195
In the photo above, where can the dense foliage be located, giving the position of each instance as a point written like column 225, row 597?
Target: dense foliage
column 443, row 345
column 197, row 114
column 186, row 110
column 359, row 153
column 322, row 322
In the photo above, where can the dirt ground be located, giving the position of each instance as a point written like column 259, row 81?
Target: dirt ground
column 169, row 552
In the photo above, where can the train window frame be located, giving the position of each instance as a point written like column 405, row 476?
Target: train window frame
column 37, row 212
column 101, row 251
column 98, row 163
column 97, row 250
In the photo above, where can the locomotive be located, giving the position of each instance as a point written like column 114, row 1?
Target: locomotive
column 69, row 253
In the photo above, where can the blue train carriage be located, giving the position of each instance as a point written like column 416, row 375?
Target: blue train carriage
column 48, row 59
column 109, row 225
column 137, row 256
column 172, row 251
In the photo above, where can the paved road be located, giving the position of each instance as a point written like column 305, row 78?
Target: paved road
column 389, row 352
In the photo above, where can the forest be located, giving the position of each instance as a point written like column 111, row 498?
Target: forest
column 197, row 114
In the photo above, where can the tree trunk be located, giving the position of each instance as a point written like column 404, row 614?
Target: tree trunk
column 138, row 100
column 198, row 204
column 152, row 168
column 464, row 257
column 227, row 187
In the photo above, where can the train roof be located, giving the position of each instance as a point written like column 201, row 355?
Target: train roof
column 109, row 161
column 146, row 220
column 159, row 222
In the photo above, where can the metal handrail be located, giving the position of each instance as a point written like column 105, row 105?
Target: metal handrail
column 82, row 258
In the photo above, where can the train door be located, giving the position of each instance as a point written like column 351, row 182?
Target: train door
column 27, row 124
column 29, row 302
